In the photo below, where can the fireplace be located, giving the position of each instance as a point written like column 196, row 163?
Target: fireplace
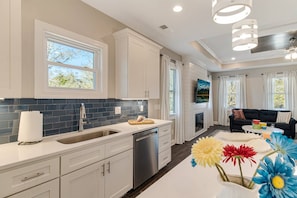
column 199, row 120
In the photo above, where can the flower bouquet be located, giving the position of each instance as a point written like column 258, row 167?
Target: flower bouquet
column 276, row 176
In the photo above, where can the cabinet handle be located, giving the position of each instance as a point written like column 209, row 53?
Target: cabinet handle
column 108, row 167
column 32, row 177
column 103, row 170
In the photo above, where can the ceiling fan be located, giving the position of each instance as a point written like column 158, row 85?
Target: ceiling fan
column 275, row 42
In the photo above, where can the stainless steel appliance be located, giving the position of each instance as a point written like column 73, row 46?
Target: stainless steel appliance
column 145, row 156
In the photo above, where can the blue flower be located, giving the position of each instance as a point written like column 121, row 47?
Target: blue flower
column 277, row 179
column 193, row 162
column 286, row 147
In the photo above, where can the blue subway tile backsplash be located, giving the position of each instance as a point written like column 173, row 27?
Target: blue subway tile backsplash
column 61, row 115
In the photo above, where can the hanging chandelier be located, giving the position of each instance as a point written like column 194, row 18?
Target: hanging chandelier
column 244, row 35
column 230, row 11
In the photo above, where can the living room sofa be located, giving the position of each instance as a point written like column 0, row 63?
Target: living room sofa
column 268, row 116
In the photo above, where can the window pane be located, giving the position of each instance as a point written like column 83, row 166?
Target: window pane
column 61, row 53
column 172, row 79
column 279, row 101
column 232, row 93
column 61, row 77
column 171, row 102
column 279, row 85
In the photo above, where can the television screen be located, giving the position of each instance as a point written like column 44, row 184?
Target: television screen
column 202, row 91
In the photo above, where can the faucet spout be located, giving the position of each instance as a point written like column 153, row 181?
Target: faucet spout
column 82, row 117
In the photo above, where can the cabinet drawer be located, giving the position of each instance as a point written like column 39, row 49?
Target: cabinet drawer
column 47, row 190
column 118, row 146
column 164, row 130
column 164, row 142
column 164, row 158
column 23, row 177
column 79, row 159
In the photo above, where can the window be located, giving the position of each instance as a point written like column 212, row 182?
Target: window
column 233, row 93
column 279, row 96
column 172, row 91
column 68, row 65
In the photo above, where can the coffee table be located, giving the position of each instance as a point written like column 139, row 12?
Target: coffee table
column 249, row 129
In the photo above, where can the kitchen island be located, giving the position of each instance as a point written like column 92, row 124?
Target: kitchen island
column 186, row 181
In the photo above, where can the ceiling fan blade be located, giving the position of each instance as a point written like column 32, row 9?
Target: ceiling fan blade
column 274, row 42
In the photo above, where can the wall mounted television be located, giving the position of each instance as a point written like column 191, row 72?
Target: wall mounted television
column 202, row 91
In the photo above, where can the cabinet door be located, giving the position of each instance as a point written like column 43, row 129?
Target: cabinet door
column 152, row 78
column 10, row 51
column 87, row 182
column 136, row 68
column 119, row 174
column 47, row 190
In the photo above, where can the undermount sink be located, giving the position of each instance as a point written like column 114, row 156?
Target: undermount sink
column 87, row 136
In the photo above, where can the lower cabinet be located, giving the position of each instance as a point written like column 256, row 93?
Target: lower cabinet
column 110, row 178
column 47, row 190
column 86, row 182
column 164, row 145
column 119, row 174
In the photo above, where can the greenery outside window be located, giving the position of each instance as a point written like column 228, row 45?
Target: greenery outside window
column 172, row 91
column 279, row 95
column 68, row 65
column 233, row 93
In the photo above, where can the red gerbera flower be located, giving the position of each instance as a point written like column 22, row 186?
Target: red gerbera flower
column 242, row 152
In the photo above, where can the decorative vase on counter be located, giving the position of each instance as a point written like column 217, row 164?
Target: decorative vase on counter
column 233, row 189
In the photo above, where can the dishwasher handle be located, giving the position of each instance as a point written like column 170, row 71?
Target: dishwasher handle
column 146, row 136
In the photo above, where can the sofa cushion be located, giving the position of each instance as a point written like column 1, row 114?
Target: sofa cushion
column 242, row 122
column 238, row 114
column 251, row 114
column 283, row 117
column 267, row 115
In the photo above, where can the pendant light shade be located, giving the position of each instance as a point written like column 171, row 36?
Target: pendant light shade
column 245, row 35
column 230, row 11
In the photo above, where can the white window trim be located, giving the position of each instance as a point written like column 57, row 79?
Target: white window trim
column 41, row 89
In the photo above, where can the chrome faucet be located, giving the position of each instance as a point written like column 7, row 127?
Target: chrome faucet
column 82, row 117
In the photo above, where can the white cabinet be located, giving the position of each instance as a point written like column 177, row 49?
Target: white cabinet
column 164, row 145
column 137, row 66
column 119, row 174
column 10, row 51
column 104, row 171
column 86, row 182
column 26, row 176
column 47, row 190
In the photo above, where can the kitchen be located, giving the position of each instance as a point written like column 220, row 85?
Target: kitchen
column 29, row 170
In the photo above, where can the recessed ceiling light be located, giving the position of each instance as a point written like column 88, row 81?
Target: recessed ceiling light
column 233, row 58
column 177, row 8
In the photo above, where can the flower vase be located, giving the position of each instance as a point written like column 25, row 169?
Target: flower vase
column 233, row 189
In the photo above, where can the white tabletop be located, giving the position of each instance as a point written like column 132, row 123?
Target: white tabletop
column 250, row 129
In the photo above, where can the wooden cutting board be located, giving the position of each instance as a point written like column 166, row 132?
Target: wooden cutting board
column 146, row 121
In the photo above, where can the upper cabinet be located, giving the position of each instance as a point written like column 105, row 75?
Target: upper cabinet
column 11, row 49
column 137, row 66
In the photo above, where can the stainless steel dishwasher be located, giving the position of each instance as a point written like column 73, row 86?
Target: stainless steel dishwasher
column 145, row 156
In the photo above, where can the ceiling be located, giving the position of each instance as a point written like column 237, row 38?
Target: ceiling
column 193, row 34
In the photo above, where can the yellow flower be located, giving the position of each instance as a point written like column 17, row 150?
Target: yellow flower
column 207, row 151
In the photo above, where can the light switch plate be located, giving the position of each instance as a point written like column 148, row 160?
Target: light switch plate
column 117, row 110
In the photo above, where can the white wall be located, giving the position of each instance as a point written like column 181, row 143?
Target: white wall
column 254, row 85
column 191, row 72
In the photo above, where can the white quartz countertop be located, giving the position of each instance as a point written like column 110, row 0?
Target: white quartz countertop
column 12, row 154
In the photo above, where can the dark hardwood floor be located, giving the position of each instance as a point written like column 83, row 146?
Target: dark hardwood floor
column 179, row 153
